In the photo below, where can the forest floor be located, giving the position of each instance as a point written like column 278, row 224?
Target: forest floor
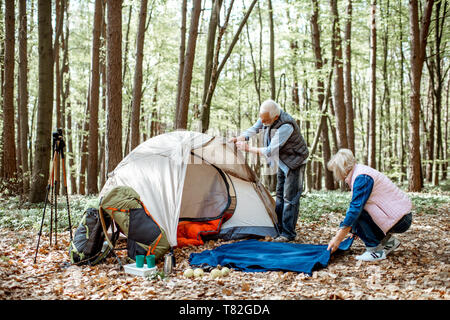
column 418, row 269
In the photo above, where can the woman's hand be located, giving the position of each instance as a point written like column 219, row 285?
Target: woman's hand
column 333, row 245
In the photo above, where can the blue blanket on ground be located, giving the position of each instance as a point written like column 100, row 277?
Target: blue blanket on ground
column 259, row 256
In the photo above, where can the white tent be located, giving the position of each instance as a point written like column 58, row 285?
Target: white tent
column 186, row 175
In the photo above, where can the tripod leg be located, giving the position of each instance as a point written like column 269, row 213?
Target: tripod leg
column 52, row 190
column 67, row 195
column 56, row 213
column 51, row 212
column 42, row 223
column 58, row 155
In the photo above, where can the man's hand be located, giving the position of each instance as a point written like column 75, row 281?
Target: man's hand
column 236, row 139
column 243, row 146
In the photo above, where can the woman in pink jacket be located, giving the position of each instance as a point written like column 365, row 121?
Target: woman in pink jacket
column 377, row 210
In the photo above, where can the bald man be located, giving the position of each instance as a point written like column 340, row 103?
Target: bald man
column 285, row 146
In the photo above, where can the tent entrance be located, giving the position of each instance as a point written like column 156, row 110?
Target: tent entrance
column 206, row 194
column 208, row 200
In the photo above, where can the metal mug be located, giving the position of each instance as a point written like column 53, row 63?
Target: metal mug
column 168, row 263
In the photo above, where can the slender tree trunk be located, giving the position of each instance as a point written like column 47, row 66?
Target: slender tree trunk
column 182, row 53
column 445, row 163
column 2, row 71
column 402, row 101
column 103, row 169
column 83, row 128
column 373, row 87
column 43, row 145
column 114, row 84
column 257, row 72
column 9, row 144
column 326, row 150
column 385, row 156
column 23, row 93
column 349, row 117
column 125, row 53
column 217, row 68
column 65, row 105
column 272, row 52
column 339, row 103
column 137, row 89
column 210, row 42
column 92, row 167
column 419, row 34
column 59, row 14
column 185, row 94
column 439, row 82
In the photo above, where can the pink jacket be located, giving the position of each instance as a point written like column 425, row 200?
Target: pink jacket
column 387, row 204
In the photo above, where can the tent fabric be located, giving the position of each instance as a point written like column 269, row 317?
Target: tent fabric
column 250, row 216
column 156, row 170
column 180, row 176
column 209, row 197
column 260, row 256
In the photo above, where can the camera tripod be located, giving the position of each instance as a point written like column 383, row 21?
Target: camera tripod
column 52, row 187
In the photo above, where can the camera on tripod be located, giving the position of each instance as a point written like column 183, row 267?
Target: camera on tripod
column 58, row 141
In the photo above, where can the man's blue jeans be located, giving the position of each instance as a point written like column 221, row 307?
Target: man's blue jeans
column 289, row 190
column 369, row 232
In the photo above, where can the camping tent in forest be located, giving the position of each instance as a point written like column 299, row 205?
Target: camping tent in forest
column 196, row 187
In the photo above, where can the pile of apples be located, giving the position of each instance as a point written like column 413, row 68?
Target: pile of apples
column 199, row 273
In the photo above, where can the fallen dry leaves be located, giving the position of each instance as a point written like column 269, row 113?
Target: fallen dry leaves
column 419, row 269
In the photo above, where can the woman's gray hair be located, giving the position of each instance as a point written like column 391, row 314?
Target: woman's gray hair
column 270, row 106
column 341, row 163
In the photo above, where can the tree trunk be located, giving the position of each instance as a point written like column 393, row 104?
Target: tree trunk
column 210, row 42
column 137, row 88
column 43, row 143
column 103, row 169
column 349, row 117
column 65, row 78
column 385, row 157
column 373, row 87
column 59, row 15
column 272, row 52
column 438, row 83
column 217, row 68
column 92, row 167
column 339, row 103
column 419, row 34
column 185, row 94
column 326, row 150
column 114, row 84
column 446, row 121
column 402, row 102
column 83, row 128
column 23, row 93
column 9, row 144
column 257, row 72
column 182, row 53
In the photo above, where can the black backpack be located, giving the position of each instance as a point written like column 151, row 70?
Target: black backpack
column 88, row 245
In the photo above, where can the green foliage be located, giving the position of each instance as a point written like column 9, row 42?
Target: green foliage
column 316, row 203
column 16, row 215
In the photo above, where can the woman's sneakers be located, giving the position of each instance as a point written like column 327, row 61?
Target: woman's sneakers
column 390, row 245
column 381, row 251
column 372, row 255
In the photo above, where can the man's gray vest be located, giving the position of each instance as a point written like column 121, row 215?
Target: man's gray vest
column 294, row 151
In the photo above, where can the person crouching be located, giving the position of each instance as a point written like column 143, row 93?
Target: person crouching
column 377, row 210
